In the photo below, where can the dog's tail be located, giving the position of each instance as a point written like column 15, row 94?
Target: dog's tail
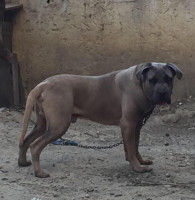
column 31, row 100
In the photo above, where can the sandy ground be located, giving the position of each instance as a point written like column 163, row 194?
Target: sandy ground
column 168, row 139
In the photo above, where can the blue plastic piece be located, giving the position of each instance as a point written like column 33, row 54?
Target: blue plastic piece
column 58, row 142
column 65, row 142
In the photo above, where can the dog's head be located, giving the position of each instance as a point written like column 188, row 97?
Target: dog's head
column 157, row 80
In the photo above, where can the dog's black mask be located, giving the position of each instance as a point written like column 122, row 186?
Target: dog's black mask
column 157, row 81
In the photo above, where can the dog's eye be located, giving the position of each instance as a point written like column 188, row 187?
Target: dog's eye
column 168, row 79
column 153, row 80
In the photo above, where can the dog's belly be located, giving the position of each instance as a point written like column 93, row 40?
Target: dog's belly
column 106, row 114
column 110, row 118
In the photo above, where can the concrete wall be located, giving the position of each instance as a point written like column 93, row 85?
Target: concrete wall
column 92, row 37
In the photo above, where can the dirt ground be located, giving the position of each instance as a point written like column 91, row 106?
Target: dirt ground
column 168, row 138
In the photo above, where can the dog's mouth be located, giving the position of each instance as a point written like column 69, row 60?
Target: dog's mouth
column 162, row 102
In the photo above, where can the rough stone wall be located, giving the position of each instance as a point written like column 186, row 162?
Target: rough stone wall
column 92, row 37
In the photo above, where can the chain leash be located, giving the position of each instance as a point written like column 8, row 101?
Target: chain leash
column 101, row 147
column 147, row 115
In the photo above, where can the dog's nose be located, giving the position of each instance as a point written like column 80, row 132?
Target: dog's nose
column 162, row 93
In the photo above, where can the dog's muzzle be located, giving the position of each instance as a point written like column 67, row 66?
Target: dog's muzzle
column 161, row 98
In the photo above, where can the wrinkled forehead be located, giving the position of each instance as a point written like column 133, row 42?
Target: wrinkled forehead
column 159, row 70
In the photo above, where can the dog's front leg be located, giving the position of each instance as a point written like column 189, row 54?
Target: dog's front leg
column 129, row 140
column 137, row 138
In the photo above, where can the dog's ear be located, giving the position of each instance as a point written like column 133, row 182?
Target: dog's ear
column 176, row 71
column 143, row 69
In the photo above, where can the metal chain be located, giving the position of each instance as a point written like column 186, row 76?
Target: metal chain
column 147, row 116
column 100, row 147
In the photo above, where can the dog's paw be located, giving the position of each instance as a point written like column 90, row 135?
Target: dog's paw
column 146, row 162
column 24, row 163
column 143, row 169
column 41, row 174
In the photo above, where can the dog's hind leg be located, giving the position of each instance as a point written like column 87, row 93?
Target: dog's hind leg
column 37, row 131
column 36, row 148
column 58, row 120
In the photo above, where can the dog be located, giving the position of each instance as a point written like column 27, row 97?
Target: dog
column 120, row 98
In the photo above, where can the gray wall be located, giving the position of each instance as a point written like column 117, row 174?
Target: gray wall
column 92, row 37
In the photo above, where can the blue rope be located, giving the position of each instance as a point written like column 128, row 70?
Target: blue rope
column 65, row 142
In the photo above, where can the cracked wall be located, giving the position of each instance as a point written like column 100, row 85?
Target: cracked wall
column 92, row 37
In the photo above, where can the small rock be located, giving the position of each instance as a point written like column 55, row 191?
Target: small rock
column 118, row 195
column 87, row 196
column 102, row 140
column 147, row 175
column 166, row 144
column 182, row 165
column 168, row 175
column 13, row 181
column 4, row 179
column 89, row 189
column 55, row 195
column 117, row 175
column 167, row 134
column 34, row 198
